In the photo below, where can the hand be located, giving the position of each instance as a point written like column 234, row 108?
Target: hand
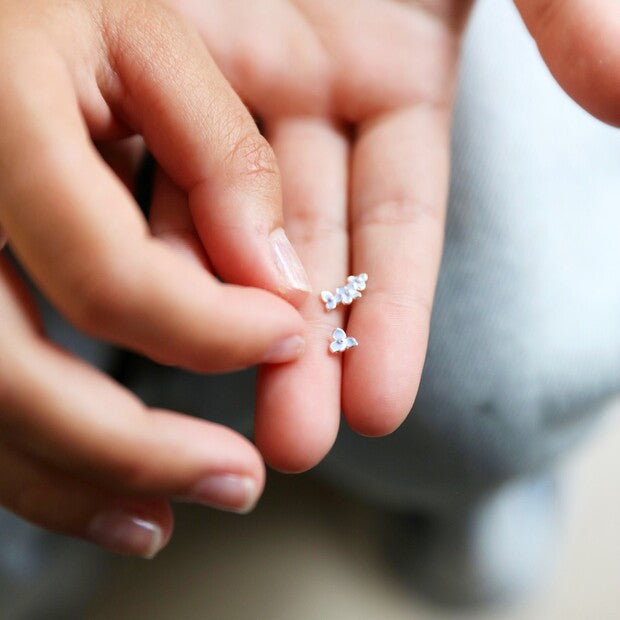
column 355, row 97
column 579, row 42
column 78, row 453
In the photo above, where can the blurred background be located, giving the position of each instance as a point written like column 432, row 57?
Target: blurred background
column 307, row 553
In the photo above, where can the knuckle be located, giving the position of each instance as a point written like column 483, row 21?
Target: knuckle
column 140, row 33
column 150, row 18
column 251, row 156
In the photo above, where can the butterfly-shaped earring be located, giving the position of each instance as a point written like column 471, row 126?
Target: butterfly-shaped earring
column 341, row 342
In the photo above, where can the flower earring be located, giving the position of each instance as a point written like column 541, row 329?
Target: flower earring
column 341, row 342
column 344, row 295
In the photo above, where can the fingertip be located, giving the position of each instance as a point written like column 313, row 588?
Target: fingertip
column 294, row 283
column 294, row 457
column 132, row 528
column 290, row 349
column 374, row 413
column 211, row 326
column 378, row 392
column 296, row 425
column 210, row 449
column 295, row 447
column 578, row 42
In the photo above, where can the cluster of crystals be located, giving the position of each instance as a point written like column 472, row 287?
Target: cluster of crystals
column 347, row 293
column 341, row 342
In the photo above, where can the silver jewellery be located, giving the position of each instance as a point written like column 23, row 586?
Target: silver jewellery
column 347, row 293
column 341, row 342
column 344, row 295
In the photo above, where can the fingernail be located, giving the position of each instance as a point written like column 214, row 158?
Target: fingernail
column 288, row 350
column 227, row 492
column 121, row 532
column 288, row 263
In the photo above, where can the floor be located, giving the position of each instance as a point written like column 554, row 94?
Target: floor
column 308, row 554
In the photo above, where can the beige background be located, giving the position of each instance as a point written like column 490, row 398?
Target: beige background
column 309, row 554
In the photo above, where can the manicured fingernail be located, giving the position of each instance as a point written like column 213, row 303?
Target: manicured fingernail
column 121, row 532
column 292, row 271
column 227, row 492
column 288, row 350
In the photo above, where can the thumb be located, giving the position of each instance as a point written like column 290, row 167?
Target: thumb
column 579, row 42
column 208, row 144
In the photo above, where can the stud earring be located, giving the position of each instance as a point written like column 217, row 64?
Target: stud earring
column 358, row 282
column 341, row 342
column 345, row 294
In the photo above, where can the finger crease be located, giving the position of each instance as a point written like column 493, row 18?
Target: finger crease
column 401, row 303
column 307, row 227
column 398, row 213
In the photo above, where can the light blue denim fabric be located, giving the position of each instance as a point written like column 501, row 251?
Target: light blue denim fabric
column 525, row 338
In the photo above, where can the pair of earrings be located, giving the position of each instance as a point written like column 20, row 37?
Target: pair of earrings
column 344, row 295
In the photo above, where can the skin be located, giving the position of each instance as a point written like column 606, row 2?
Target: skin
column 355, row 98
column 74, row 444
column 342, row 102
column 359, row 94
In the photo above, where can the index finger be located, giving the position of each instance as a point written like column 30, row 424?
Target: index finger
column 76, row 229
column 208, row 144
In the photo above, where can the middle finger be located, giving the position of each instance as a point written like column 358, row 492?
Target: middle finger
column 298, row 405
